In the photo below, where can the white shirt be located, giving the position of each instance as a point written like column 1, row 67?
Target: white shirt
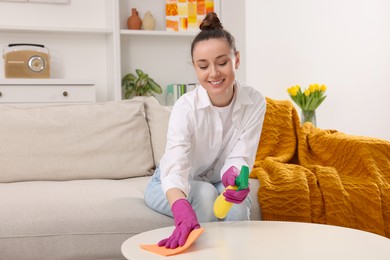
column 195, row 148
column 225, row 115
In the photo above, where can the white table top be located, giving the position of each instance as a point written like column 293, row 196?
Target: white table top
column 268, row 240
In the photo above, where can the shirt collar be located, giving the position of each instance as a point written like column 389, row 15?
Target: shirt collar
column 203, row 100
column 242, row 97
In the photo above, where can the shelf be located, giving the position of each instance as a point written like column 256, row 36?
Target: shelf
column 40, row 82
column 29, row 29
column 158, row 33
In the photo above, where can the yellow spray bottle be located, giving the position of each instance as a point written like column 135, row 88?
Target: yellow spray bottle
column 221, row 206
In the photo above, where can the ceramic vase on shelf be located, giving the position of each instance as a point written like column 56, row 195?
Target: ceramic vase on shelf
column 134, row 22
column 148, row 22
column 308, row 116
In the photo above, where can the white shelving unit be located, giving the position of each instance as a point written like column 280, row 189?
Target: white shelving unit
column 157, row 33
column 49, row 30
column 46, row 91
column 93, row 42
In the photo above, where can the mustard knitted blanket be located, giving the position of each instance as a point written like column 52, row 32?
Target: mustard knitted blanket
column 308, row 174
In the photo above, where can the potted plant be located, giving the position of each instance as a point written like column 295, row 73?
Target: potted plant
column 139, row 85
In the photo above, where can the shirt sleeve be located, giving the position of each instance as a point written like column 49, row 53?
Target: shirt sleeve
column 245, row 149
column 175, row 164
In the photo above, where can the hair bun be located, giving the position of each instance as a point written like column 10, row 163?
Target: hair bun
column 211, row 22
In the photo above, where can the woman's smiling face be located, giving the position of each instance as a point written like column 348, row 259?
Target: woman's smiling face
column 215, row 65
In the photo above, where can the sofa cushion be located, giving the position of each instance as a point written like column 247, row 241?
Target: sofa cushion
column 79, row 219
column 158, row 118
column 77, row 141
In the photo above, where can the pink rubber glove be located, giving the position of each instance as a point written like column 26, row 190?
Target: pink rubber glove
column 236, row 196
column 229, row 177
column 185, row 221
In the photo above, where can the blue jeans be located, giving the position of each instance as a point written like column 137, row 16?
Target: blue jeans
column 202, row 196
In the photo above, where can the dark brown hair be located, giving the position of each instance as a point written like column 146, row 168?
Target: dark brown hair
column 211, row 28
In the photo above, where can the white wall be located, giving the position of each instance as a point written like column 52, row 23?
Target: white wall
column 344, row 44
column 233, row 20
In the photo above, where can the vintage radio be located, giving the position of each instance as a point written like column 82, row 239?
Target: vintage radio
column 26, row 61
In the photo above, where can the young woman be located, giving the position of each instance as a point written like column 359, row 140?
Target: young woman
column 213, row 131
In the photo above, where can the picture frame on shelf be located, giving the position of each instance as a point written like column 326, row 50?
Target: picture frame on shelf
column 186, row 15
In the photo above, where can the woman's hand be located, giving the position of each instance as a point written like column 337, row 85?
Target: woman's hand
column 229, row 177
column 236, row 196
column 185, row 221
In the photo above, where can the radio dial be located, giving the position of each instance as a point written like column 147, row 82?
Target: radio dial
column 36, row 63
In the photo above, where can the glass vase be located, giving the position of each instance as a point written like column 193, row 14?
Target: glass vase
column 308, row 116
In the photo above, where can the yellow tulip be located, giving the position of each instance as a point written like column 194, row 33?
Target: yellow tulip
column 323, row 88
column 312, row 88
column 307, row 92
column 317, row 86
column 297, row 88
column 294, row 92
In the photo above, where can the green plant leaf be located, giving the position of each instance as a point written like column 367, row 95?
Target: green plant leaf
column 154, row 86
column 139, row 72
column 128, row 78
column 143, row 81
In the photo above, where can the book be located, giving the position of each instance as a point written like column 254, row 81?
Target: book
column 175, row 91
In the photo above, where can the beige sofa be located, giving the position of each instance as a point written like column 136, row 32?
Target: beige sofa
column 72, row 178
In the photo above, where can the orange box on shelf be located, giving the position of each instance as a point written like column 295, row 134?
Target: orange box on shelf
column 171, row 9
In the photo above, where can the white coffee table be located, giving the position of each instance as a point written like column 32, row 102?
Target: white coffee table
column 268, row 240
